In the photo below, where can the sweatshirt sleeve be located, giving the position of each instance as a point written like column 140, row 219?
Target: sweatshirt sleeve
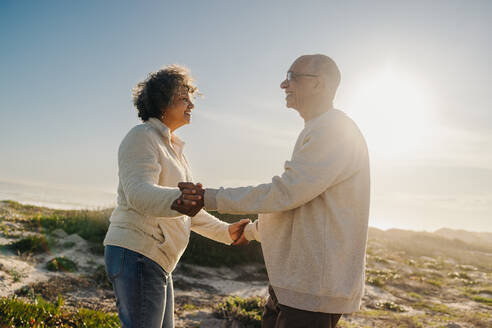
column 251, row 231
column 139, row 169
column 210, row 227
column 326, row 156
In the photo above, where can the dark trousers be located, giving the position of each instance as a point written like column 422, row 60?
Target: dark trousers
column 281, row 316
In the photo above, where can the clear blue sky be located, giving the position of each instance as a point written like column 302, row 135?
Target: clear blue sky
column 416, row 77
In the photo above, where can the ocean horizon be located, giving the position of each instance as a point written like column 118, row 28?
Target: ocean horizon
column 56, row 197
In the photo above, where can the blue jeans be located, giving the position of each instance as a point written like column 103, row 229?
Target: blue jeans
column 143, row 290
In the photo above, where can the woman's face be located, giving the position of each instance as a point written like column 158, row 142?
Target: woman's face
column 179, row 113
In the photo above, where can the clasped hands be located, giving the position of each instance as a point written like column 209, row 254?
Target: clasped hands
column 191, row 202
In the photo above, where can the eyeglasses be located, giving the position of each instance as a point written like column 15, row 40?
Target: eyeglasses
column 291, row 76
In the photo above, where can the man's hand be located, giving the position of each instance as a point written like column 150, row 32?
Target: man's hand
column 236, row 230
column 191, row 200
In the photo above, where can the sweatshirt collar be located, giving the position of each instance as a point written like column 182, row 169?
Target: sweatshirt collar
column 319, row 117
column 166, row 132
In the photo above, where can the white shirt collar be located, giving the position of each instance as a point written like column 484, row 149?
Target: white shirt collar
column 166, row 132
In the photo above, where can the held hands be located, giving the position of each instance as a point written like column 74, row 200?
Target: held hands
column 191, row 202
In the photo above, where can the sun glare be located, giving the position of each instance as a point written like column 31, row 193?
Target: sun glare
column 394, row 109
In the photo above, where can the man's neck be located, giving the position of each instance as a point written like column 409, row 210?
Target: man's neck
column 315, row 110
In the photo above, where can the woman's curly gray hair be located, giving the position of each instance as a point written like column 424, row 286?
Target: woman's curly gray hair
column 152, row 96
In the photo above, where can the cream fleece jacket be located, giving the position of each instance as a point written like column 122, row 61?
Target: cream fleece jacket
column 151, row 163
column 314, row 217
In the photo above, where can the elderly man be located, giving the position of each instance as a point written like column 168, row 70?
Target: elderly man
column 313, row 218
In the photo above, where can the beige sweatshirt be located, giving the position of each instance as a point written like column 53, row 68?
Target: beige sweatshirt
column 314, row 217
column 151, row 163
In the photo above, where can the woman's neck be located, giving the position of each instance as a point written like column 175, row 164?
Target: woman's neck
column 169, row 124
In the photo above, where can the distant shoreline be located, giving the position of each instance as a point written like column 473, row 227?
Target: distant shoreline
column 60, row 206
column 56, row 197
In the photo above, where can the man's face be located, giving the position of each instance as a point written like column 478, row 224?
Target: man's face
column 299, row 88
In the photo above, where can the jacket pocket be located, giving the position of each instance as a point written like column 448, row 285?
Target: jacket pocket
column 162, row 233
column 175, row 240
column 114, row 258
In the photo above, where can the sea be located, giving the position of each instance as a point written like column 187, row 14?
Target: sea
column 57, row 197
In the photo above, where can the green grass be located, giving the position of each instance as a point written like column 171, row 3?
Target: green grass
column 379, row 259
column 433, row 307
column 189, row 307
column 434, row 282
column 16, row 275
column 482, row 299
column 248, row 311
column 415, row 295
column 18, row 206
column 459, row 275
column 42, row 314
column 61, row 264
column 391, row 306
column 379, row 277
column 90, row 225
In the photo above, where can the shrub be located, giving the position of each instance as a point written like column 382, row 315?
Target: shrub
column 204, row 251
column 97, row 249
column 101, row 277
column 245, row 310
column 31, row 244
column 68, row 244
column 61, row 264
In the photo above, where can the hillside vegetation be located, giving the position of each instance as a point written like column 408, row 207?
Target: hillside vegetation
column 52, row 273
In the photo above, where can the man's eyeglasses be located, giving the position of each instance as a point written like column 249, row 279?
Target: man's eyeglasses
column 291, row 76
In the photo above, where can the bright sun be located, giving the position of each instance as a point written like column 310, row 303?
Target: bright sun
column 394, row 109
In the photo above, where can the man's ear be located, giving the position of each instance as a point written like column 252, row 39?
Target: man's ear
column 319, row 85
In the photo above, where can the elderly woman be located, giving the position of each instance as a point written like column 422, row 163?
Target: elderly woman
column 146, row 237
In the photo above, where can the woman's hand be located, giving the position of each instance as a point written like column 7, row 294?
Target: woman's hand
column 191, row 200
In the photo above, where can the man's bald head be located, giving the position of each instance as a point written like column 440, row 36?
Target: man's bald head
column 324, row 66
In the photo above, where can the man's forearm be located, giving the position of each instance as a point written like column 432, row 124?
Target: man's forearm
column 210, row 198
